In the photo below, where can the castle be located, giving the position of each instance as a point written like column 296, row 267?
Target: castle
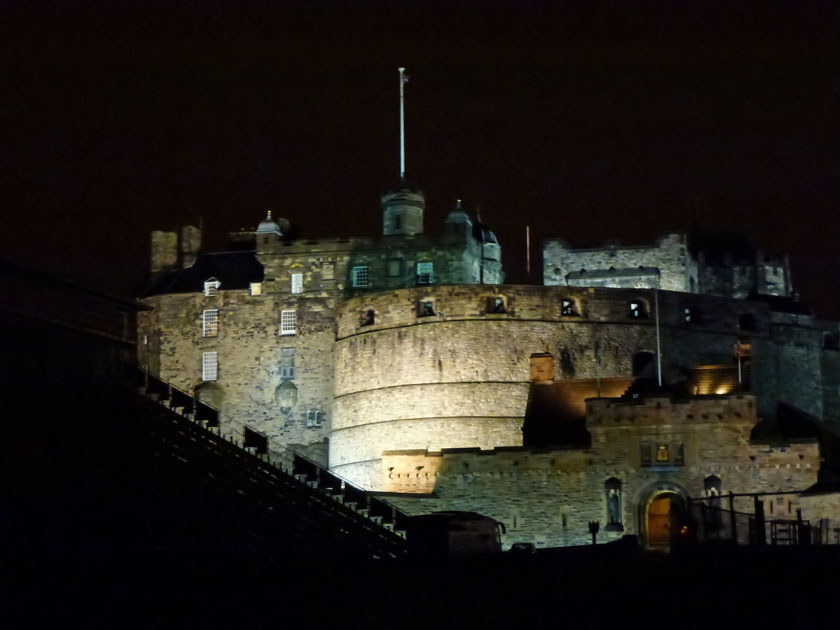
column 634, row 379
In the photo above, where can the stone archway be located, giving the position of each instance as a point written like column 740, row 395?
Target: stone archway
column 662, row 516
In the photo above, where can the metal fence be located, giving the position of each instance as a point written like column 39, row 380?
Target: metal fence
column 750, row 519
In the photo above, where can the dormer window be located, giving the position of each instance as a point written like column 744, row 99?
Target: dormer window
column 211, row 287
column 568, row 307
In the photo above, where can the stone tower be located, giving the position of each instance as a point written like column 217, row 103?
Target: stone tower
column 402, row 211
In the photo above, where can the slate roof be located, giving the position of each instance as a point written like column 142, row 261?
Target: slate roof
column 235, row 270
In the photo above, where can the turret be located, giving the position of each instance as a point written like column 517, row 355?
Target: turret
column 402, row 211
column 458, row 224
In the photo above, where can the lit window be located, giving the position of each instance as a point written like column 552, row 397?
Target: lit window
column 211, row 287
column 287, row 363
column 256, row 288
column 360, row 276
column 425, row 308
column 297, row 283
column 328, row 271
column 210, row 366
column 425, row 273
column 210, row 323
column 314, row 417
column 568, row 307
column 288, row 322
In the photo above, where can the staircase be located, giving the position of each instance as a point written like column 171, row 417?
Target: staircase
column 308, row 508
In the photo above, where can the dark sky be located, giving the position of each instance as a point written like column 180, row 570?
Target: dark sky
column 587, row 121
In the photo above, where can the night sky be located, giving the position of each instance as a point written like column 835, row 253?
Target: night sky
column 586, row 121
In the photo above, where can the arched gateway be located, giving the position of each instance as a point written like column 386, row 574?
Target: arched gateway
column 662, row 516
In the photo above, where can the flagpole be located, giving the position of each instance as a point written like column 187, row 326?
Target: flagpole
column 658, row 343
column 402, row 124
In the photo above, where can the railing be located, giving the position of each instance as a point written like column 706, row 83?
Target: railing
column 386, row 518
column 726, row 519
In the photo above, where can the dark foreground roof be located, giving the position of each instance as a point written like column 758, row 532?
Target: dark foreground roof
column 235, row 270
column 781, row 304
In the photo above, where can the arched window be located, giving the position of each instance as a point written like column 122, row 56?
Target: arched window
column 612, row 487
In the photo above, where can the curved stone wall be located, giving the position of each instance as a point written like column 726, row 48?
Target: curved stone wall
column 460, row 378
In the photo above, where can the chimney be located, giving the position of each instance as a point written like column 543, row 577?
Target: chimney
column 164, row 252
column 190, row 244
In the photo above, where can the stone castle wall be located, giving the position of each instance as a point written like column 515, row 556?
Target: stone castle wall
column 249, row 346
column 611, row 266
column 548, row 497
column 460, row 377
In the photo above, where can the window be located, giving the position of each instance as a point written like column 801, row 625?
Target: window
column 368, row 317
column 397, row 221
column 425, row 308
column 256, row 288
column 613, row 491
column 496, row 305
column 568, row 307
column 210, row 323
column 288, row 322
column 360, row 276
column 328, row 271
column 287, row 362
column 314, row 417
column 211, row 287
column 297, row 283
column 425, row 273
column 210, row 366
column 637, row 309
column 395, row 268
column 690, row 315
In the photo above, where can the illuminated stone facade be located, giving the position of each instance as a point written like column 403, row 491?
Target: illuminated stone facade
column 405, row 364
column 713, row 264
column 548, row 496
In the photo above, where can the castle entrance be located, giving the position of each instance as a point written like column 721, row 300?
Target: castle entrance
column 665, row 517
